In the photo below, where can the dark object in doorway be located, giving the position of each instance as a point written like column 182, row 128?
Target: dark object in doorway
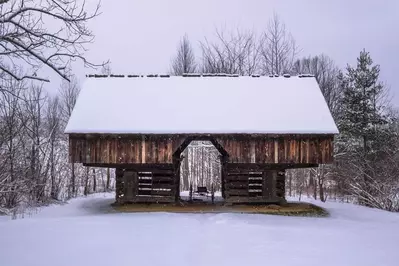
column 202, row 190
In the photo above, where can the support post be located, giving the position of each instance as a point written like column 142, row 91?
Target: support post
column 280, row 185
column 131, row 185
column 191, row 193
column 176, row 176
column 212, row 194
column 268, row 191
column 223, row 161
column 119, row 197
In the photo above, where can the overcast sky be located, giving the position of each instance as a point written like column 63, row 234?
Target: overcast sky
column 141, row 36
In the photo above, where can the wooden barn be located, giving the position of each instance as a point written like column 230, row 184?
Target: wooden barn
column 261, row 125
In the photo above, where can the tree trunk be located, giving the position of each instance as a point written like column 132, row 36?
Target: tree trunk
column 86, row 189
column 314, row 183
column 94, row 181
column 366, row 178
column 202, row 166
column 186, row 170
column 108, row 179
column 73, row 179
column 53, row 193
column 321, row 190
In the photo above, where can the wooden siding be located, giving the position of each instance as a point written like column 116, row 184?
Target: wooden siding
column 123, row 150
column 160, row 149
column 282, row 150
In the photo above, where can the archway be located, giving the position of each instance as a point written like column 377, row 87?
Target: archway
column 201, row 161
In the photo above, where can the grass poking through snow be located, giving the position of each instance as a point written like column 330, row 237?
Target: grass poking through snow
column 289, row 209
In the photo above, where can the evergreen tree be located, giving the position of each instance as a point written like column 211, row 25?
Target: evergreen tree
column 362, row 115
column 362, row 123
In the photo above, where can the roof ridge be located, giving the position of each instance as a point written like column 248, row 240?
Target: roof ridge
column 198, row 75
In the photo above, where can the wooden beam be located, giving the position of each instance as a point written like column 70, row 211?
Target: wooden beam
column 137, row 167
column 245, row 167
column 242, row 148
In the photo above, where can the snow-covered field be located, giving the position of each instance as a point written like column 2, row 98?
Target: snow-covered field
column 83, row 233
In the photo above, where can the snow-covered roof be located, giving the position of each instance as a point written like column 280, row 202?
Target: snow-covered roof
column 176, row 104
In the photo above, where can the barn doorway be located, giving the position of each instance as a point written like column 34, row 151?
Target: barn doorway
column 201, row 172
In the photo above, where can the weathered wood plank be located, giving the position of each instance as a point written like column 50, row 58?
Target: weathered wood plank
column 246, row 173
column 145, row 181
column 268, row 184
column 255, row 194
column 147, row 186
column 119, row 186
column 255, row 181
column 162, row 193
column 142, row 192
column 280, row 184
column 163, row 186
column 163, row 181
column 282, row 155
column 276, row 151
column 236, row 184
column 130, row 185
column 154, row 149
column 236, row 192
column 229, row 178
column 154, row 175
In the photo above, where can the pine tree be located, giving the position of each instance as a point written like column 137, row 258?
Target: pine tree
column 362, row 118
column 362, row 114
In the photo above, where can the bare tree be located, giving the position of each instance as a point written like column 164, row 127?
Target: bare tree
column 232, row 53
column 25, row 38
column 184, row 61
column 106, row 69
column 10, row 140
column 33, row 121
column 53, row 117
column 69, row 92
column 327, row 75
column 278, row 48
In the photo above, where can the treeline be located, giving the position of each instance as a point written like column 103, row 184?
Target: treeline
column 34, row 167
column 366, row 167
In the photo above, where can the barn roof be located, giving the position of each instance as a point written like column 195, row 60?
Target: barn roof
column 172, row 105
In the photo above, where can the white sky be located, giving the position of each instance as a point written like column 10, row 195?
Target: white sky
column 141, row 36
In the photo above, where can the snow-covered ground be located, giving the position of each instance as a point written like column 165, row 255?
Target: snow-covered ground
column 84, row 233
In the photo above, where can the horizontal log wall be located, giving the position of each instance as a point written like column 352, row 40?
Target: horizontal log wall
column 255, row 187
column 280, row 150
column 145, row 187
column 123, row 150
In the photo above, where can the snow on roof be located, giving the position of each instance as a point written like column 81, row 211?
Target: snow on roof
column 203, row 105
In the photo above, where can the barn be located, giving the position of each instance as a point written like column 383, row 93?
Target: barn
column 261, row 125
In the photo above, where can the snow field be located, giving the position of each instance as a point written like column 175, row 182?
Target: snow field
column 84, row 232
